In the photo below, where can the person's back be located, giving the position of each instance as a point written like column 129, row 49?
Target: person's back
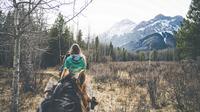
column 75, row 63
column 75, row 66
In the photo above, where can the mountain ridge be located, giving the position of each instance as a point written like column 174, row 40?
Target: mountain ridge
column 120, row 28
column 158, row 24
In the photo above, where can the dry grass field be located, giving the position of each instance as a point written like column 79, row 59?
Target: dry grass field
column 126, row 87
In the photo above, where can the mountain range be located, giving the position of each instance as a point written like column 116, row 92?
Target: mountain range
column 157, row 33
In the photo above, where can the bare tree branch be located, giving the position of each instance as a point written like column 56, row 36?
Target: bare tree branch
column 24, row 2
column 15, row 3
column 53, row 6
column 8, row 51
column 3, row 33
column 5, row 45
column 43, row 50
column 29, row 12
column 79, row 11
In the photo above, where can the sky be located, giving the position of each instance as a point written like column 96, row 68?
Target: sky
column 100, row 15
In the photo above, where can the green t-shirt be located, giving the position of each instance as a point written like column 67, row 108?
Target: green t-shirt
column 75, row 63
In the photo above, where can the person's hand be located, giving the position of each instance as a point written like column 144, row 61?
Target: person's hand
column 64, row 73
column 46, row 95
column 94, row 102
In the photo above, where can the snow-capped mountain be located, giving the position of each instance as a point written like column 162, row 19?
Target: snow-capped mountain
column 122, row 27
column 158, row 24
column 118, row 29
column 154, row 41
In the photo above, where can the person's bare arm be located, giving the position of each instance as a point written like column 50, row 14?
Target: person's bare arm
column 64, row 73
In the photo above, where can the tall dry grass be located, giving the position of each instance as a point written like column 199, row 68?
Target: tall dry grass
column 177, row 86
column 124, row 87
column 28, row 102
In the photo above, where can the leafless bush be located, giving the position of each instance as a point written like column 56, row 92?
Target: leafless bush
column 186, row 85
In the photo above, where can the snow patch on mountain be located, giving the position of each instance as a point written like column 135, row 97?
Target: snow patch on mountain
column 124, row 26
column 126, row 31
column 118, row 29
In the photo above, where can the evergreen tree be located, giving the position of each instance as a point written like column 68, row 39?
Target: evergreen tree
column 7, row 41
column 97, row 49
column 68, row 38
column 124, row 54
column 60, row 40
column 119, row 53
column 79, row 38
column 154, row 55
column 141, row 56
column 188, row 37
column 2, row 19
column 111, row 50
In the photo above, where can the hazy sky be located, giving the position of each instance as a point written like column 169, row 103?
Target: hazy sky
column 102, row 14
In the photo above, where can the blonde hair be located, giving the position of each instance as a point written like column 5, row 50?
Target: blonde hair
column 75, row 49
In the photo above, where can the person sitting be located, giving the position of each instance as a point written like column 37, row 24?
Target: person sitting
column 75, row 65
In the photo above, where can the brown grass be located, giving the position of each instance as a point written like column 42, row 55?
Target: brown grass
column 122, row 87
column 178, row 83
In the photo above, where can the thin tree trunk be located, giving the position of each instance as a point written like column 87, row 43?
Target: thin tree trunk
column 59, row 46
column 16, row 65
column 152, row 89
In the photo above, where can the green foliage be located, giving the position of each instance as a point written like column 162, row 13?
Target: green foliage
column 60, row 23
column 125, row 55
column 188, row 37
column 97, row 49
column 97, row 42
column 60, row 40
column 99, row 52
column 79, row 39
column 6, row 48
column 141, row 56
column 68, row 37
column 154, row 55
column 111, row 51
column 2, row 19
